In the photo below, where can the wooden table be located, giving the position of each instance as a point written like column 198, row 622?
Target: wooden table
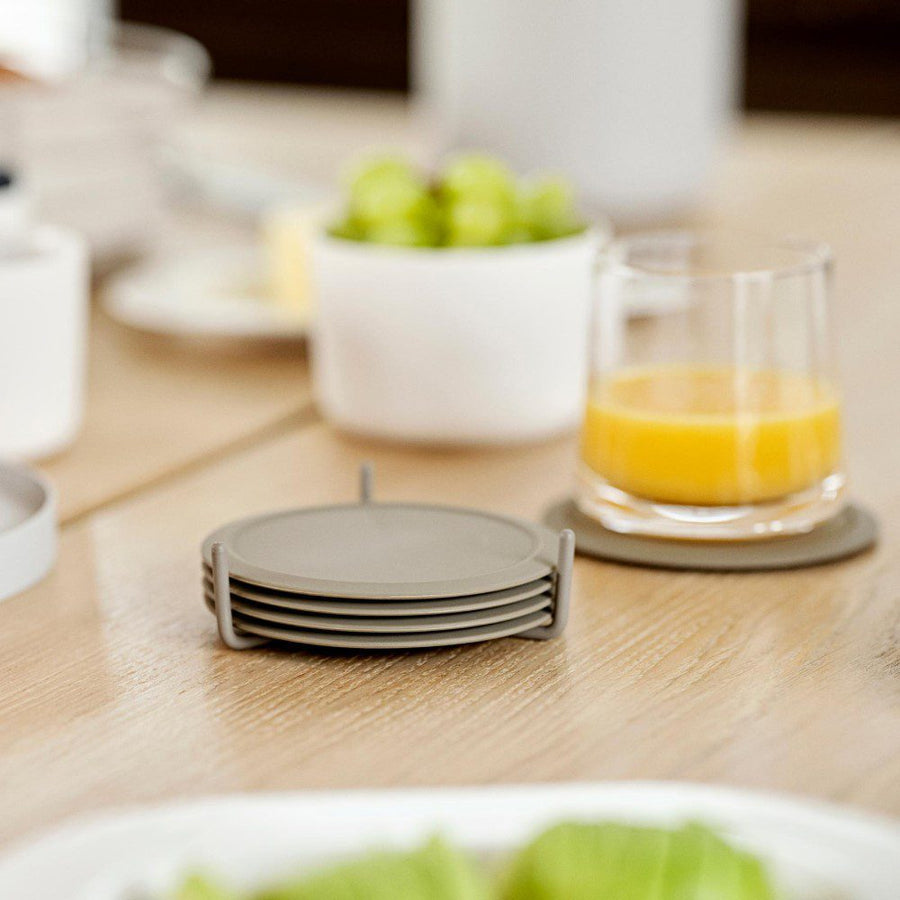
column 115, row 689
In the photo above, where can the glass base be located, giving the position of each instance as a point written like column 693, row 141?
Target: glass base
column 627, row 514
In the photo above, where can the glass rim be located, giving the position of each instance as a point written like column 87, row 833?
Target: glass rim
column 813, row 256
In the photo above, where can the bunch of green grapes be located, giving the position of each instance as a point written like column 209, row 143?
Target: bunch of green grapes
column 475, row 201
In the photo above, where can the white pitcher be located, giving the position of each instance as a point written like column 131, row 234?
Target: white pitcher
column 628, row 97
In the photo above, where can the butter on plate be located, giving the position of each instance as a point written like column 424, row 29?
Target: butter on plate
column 286, row 233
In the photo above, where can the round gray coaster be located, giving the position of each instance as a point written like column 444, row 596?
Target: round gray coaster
column 850, row 532
column 386, row 551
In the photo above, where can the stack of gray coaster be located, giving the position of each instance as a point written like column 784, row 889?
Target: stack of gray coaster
column 386, row 576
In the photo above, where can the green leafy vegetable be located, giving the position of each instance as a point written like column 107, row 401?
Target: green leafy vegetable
column 571, row 861
column 435, row 871
column 619, row 862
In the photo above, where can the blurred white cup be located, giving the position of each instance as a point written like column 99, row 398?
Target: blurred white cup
column 43, row 337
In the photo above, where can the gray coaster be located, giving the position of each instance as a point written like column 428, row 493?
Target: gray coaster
column 523, row 626
column 850, row 532
column 445, row 605
column 385, row 625
column 386, row 551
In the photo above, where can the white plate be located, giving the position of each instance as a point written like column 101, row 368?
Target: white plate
column 388, row 625
column 433, row 607
column 212, row 295
column 817, row 851
column 28, row 533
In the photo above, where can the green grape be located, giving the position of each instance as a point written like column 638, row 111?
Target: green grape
column 418, row 226
column 476, row 203
column 478, row 223
column 379, row 168
column 477, row 177
column 517, row 234
column 403, row 233
column 198, row 887
column 547, row 209
column 388, row 191
column 389, row 200
column 349, row 229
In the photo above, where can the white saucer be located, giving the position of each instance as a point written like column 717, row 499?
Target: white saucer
column 28, row 531
column 211, row 295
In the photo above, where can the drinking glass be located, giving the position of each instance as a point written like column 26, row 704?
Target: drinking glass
column 712, row 409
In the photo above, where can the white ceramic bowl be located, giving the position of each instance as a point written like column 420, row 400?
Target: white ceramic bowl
column 452, row 345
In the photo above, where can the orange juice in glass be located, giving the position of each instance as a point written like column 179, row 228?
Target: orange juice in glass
column 715, row 415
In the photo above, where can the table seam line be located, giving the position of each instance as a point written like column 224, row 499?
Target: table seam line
column 299, row 419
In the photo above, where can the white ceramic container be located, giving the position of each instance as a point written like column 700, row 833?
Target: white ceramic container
column 43, row 337
column 628, row 98
column 16, row 208
column 453, row 346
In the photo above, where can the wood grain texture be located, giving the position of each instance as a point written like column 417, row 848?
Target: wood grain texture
column 155, row 406
column 115, row 689
column 123, row 694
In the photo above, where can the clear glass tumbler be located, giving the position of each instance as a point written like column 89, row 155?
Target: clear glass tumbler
column 712, row 411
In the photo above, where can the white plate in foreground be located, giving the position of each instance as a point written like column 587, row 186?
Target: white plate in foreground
column 210, row 295
column 817, row 851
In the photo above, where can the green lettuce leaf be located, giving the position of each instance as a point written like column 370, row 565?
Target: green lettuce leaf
column 433, row 872
column 607, row 861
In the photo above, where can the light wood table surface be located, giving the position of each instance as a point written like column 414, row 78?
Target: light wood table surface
column 115, row 690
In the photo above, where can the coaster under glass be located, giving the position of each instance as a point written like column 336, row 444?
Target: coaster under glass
column 852, row 531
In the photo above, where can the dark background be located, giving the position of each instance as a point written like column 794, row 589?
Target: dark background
column 808, row 55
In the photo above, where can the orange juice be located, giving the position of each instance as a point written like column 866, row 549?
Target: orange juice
column 711, row 436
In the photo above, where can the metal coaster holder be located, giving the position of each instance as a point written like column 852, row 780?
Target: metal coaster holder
column 561, row 595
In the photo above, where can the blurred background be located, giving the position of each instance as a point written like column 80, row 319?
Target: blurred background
column 800, row 55
column 161, row 129
column 647, row 87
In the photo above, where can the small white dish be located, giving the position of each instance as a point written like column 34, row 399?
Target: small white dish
column 210, row 295
column 815, row 849
column 28, row 530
